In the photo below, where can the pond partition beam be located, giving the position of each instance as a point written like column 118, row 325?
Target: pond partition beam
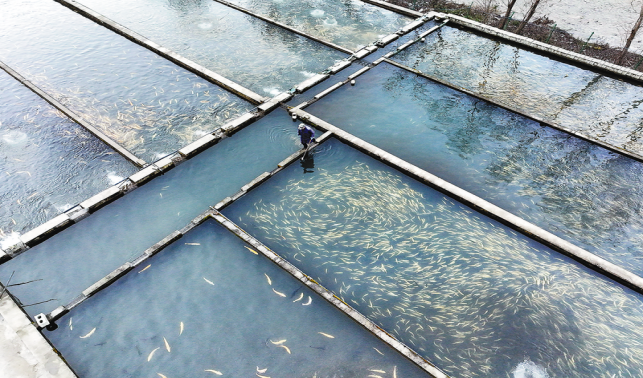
column 74, row 117
column 530, row 230
column 166, row 53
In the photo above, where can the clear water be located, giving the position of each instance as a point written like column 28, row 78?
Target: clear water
column 472, row 296
column 576, row 190
column 258, row 55
column 581, row 100
column 47, row 162
column 215, row 307
column 74, row 259
column 349, row 23
column 146, row 104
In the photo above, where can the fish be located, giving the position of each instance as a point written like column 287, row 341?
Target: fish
column 144, row 269
column 181, row 329
column 268, row 278
column 326, row 335
column 89, row 334
column 208, row 281
column 278, row 342
column 251, row 250
column 301, row 295
column 161, row 375
column 71, row 326
column 279, row 293
column 192, row 243
column 262, row 376
column 167, row 345
column 395, row 371
column 261, row 370
column 285, row 347
column 310, row 300
column 378, row 351
column 149, row 358
column 214, row 371
column 377, row 371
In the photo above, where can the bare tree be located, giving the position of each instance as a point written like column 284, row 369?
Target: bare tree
column 533, row 4
column 487, row 8
column 628, row 42
column 510, row 5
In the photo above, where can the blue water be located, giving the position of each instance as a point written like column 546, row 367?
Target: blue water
column 146, row 104
column 472, row 296
column 254, row 53
column 74, row 259
column 214, row 306
column 576, row 190
column 581, row 100
column 349, row 23
column 47, row 162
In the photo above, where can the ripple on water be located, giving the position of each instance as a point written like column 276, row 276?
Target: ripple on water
column 15, row 138
column 529, row 369
column 317, row 13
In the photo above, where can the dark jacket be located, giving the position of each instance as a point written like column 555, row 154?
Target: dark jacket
column 306, row 134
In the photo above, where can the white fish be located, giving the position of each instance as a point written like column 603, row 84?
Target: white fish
column 167, row 345
column 71, row 327
column 310, row 300
column 261, row 370
column 276, row 343
column 279, row 293
column 144, row 269
column 378, row 351
column 377, row 371
column 394, row 371
column 301, row 295
column 192, row 243
column 89, row 334
column 329, row 336
column 285, row 347
column 251, row 250
column 208, row 281
column 152, row 354
column 262, row 376
column 161, row 375
column 214, row 371
column 268, row 278
column 181, row 331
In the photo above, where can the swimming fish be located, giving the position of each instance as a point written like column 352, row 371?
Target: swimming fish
column 285, row 347
column 144, row 269
column 262, row 376
column 208, row 281
column 214, row 371
column 300, row 297
column 261, row 370
column 161, row 375
column 268, row 278
column 152, row 354
column 378, row 351
column 167, row 345
column 394, row 371
column 71, row 327
column 279, row 293
column 310, row 300
column 377, row 371
column 181, row 331
column 192, row 243
column 327, row 335
column 89, row 334
column 251, row 250
column 276, row 343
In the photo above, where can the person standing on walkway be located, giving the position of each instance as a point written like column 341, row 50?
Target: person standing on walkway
column 306, row 135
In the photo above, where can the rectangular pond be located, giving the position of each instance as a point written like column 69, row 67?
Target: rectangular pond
column 207, row 306
column 474, row 297
column 75, row 258
column 258, row 55
column 572, row 188
column 580, row 100
column 352, row 24
column 48, row 163
column 145, row 103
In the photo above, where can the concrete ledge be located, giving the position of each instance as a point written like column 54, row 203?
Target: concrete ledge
column 394, row 8
column 108, row 280
column 164, row 52
column 327, row 91
column 77, row 213
column 4, row 257
column 532, row 231
column 356, row 74
column 144, row 175
column 223, row 203
column 361, row 53
column 256, row 182
column 512, row 109
column 412, row 26
column 101, row 199
column 311, row 82
column 274, row 102
column 199, row 145
column 237, row 123
column 158, row 247
column 57, row 313
column 46, row 230
column 165, row 164
column 339, row 66
column 388, row 39
column 330, row 297
column 238, row 195
column 26, row 353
